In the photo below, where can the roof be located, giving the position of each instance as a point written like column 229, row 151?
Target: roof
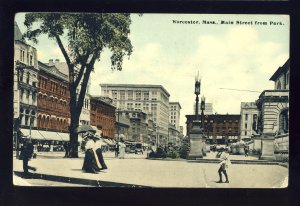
column 61, row 66
column 18, row 34
column 281, row 70
column 52, row 70
column 175, row 103
column 136, row 86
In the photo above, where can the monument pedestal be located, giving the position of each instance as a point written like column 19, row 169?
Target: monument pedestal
column 197, row 147
column 267, row 148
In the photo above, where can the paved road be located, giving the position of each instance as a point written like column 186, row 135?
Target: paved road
column 161, row 173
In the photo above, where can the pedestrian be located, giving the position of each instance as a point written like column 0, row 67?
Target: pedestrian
column 98, row 149
column 90, row 163
column 67, row 149
column 117, row 149
column 224, row 164
column 26, row 155
column 122, row 147
column 246, row 150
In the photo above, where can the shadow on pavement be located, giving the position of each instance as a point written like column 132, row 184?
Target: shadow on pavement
column 72, row 180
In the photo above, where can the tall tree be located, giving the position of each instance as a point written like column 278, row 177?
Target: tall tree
column 81, row 39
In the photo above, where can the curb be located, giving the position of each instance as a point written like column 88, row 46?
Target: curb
column 72, row 180
column 216, row 161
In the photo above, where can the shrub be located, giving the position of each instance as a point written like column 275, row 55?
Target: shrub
column 174, row 154
column 185, row 148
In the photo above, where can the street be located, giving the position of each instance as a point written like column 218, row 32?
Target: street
column 137, row 170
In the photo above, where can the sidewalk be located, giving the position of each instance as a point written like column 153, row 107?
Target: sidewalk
column 157, row 173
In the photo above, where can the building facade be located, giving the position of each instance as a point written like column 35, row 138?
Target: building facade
column 273, row 104
column 53, row 99
column 249, row 119
column 102, row 116
column 150, row 99
column 85, row 112
column 208, row 108
column 174, row 114
column 25, row 81
column 218, row 128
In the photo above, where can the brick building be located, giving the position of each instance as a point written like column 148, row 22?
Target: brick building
column 102, row 116
column 219, row 128
column 53, row 99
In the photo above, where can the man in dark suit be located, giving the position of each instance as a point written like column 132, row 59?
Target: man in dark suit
column 26, row 154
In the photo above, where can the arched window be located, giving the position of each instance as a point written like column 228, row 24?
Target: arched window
column 278, row 87
column 284, row 121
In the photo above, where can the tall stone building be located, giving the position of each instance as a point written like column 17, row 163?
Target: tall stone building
column 150, row 99
column 208, row 108
column 249, row 119
column 25, row 81
column 174, row 114
column 273, row 104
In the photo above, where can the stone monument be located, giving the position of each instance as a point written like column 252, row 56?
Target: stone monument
column 197, row 145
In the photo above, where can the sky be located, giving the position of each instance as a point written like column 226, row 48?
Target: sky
column 171, row 54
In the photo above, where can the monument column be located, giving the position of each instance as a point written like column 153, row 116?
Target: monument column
column 196, row 133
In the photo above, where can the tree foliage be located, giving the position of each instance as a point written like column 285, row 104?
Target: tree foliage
column 81, row 38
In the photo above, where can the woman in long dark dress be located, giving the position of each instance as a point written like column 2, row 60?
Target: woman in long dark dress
column 98, row 149
column 91, row 162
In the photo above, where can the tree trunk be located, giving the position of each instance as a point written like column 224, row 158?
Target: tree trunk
column 74, row 124
column 74, row 137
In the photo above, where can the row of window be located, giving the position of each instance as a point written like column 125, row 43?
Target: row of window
column 52, row 86
column 29, row 57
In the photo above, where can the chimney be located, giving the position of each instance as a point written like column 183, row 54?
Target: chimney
column 56, row 60
column 50, row 62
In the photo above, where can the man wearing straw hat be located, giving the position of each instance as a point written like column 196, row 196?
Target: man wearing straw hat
column 222, row 169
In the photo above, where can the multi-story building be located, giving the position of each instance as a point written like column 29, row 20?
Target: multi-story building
column 218, row 128
column 102, row 116
column 173, row 136
column 25, row 81
column 174, row 114
column 249, row 118
column 273, row 104
column 150, row 99
column 208, row 108
column 53, row 99
column 85, row 112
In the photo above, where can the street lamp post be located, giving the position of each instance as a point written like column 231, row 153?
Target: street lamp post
column 197, row 147
column 118, row 112
column 202, row 111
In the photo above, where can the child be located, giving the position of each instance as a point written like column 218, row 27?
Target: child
column 223, row 166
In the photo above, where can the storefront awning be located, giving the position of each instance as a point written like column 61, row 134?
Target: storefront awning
column 51, row 135
column 65, row 136
column 34, row 134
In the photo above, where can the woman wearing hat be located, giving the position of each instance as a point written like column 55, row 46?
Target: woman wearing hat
column 91, row 163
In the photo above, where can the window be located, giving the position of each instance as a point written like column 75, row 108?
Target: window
column 245, row 133
column 146, row 95
column 246, row 117
column 114, row 94
column 287, row 77
column 22, row 55
column 122, row 94
column 30, row 60
column 278, row 85
column 27, row 78
column 246, row 125
column 138, row 95
column 130, row 95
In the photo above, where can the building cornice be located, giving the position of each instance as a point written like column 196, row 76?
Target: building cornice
column 136, row 86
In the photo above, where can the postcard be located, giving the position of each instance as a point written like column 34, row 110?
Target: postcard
column 151, row 100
